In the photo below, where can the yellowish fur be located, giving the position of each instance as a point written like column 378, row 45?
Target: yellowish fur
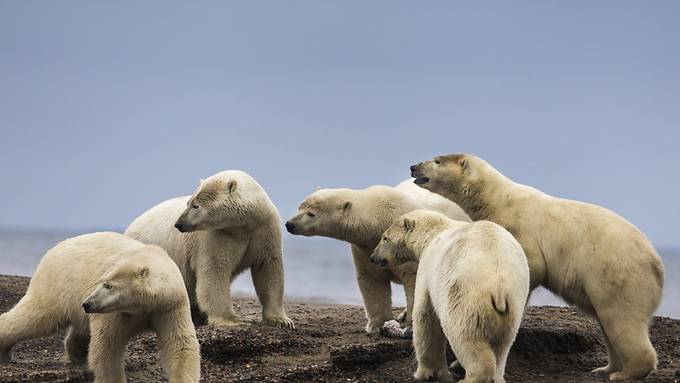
column 586, row 254
column 230, row 225
column 133, row 288
column 360, row 217
column 471, row 289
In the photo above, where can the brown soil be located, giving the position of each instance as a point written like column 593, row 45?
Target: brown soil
column 329, row 345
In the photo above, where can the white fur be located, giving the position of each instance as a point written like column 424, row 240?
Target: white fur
column 235, row 227
column 586, row 254
column 471, row 288
column 146, row 293
column 360, row 217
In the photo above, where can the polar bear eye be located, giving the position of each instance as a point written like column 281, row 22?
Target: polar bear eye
column 194, row 206
column 436, row 161
column 310, row 214
column 107, row 286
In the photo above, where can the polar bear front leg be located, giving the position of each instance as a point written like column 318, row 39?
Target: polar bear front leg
column 177, row 342
column 213, row 292
column 408, row 278
column 76, row 343
column 268, row 281
column 374, row 284
column 109, row 335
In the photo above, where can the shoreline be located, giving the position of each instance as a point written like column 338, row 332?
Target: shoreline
column 554, row 344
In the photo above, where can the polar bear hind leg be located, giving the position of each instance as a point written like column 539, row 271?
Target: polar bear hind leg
column 77, row 342
column 614, row 360
column 27, row 320
column 628, row 336
column 475, row 355
column 429, row 342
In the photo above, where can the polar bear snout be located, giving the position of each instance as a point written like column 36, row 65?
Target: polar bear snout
column 179, row 226
column 183, row 226
column 376, row 260
column 290, row 226
column 417, row 173
column 90, row 307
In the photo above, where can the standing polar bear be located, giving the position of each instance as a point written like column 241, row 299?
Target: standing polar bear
column 136, row 287
column 228, row 225
column 472, row 286
column 360, row 217
column 586, row 254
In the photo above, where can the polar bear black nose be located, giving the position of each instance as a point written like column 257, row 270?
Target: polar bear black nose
column 414, row 167
column 290, row 227
column 179, row 227
column 87, row 307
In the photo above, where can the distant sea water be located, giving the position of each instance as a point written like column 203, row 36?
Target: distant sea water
column 316, row 269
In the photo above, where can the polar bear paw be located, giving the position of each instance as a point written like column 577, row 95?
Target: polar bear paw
column 226, row 322
column 606, row 370
column 281, row 321
column 428, row 375
column 620, row 376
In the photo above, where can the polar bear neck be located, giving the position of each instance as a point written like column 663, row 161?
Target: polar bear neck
column 372, row 214
column 481, row 196
column 423, row 237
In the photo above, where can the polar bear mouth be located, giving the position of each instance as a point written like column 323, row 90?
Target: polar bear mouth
column 421, row 180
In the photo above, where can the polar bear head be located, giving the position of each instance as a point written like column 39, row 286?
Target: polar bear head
column 406, row 238
column 228, row 199
column 464, row 179
column 324, row 213
column 146, row 279
column 444, row 174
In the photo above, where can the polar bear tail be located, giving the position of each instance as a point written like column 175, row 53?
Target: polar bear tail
column 499, row 301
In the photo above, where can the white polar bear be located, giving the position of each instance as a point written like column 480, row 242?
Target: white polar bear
column 586, row 254
column 472, row 286
column 360, row 217
column 138, row 288
column 228, row 225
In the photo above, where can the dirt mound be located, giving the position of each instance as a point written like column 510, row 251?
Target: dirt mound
column 553, row 345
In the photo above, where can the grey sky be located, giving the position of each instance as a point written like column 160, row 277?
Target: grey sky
column 107, row 108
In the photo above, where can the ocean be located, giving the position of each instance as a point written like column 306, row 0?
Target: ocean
column 316, row 269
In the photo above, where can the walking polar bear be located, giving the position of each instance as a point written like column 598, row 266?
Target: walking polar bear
column 586, row 254
column 228, row 225
column 472, row 286
column 360, row 217
column 136, row 288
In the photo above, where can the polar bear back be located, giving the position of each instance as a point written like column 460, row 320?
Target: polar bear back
column 156, row 226
column 471, row 266
column 432, row 201
column 75, row 265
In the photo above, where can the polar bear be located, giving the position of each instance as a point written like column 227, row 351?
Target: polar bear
column 136, row 287
column 588, row 255
column 471, row 288
column 228, row 225
column 360, row 217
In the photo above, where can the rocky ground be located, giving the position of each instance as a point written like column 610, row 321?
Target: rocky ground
column 329, row 345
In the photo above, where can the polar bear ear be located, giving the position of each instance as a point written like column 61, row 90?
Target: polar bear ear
column 200, row 182
column 409, row 224
column 143, row 272
column 317, row 188
column 346, row 206
column 231, row 186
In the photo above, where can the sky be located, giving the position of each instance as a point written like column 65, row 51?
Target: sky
column 107, row 108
